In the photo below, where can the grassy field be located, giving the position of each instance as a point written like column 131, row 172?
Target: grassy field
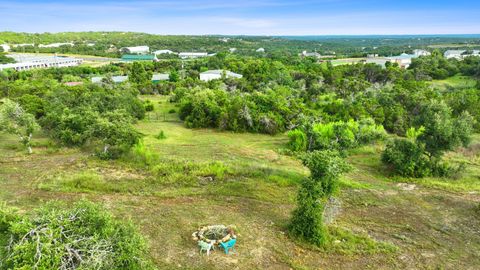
column 456, row 81
column 194, row 177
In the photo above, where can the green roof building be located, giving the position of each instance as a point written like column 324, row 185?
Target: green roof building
column 138, row 57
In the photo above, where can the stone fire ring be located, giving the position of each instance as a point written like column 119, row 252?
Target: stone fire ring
column 200, row 234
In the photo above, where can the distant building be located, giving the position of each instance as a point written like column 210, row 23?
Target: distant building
column 55, row 45
column 373, row 55
column 376, row 60
column 419, row 52
column 139, row 57
column 311, row 54
column 158, row 52
column 32, row 61
column 185, row 55
column 73, row 83
column 115, row 79
column 23, row 45
column 156, row 78
column 260, row 50
column 5, row 47
column 218, row 74
column 119, row 79
column 232, row 50
column 136, row 49
column 404, row 60
column 457, row 54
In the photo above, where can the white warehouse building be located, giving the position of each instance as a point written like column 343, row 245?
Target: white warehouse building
column 136, row 49
column 31, row 61
column 218, row 74
column 185, row 55
column 55, row 45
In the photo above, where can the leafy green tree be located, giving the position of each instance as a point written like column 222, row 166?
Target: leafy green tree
column 14, row 120
column 307, row 220
column 443, row 132
column 174, row 76
column 407, row 158
column 116, row 133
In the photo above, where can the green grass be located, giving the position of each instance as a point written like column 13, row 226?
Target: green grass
column 193, row 177
column 456, row 81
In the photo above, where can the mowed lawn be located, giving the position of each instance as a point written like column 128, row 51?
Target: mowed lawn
column 382, row 222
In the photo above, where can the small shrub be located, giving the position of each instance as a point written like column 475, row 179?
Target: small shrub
column 140, row 154
column 171, row 111
column 216, row 170
column 298, row 140
column 407, row 158
column 148, row 106
column 161, row 135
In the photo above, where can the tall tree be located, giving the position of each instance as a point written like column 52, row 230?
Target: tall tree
column 14, row 120
column 307, row 220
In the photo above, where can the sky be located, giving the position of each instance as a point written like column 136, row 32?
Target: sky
column 244, row 17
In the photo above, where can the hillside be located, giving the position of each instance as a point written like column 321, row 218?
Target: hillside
column 383, row 222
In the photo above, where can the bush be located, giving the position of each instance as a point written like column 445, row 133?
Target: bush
column 161, row 135
column 171, row 111
column 407, row 158
column 347, row 135
column 298, row 140
column 141, row 155
column 148, row 106
column 82, row 236
column 369, row 132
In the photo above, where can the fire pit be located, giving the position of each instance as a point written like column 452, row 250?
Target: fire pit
column 214, row 234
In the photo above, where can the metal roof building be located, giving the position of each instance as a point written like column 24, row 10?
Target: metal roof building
column 217, row 74
column 185, row 55
column 119, row 79
column 136, row 49
column 32, row 61
column 139, row 57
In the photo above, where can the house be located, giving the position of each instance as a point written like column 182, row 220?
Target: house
column 260, row 50
column 419, row 52
column 404, row 60
column 457, row 54
column 158, row 52
column 218, row 74
column 139, row 57
column 136, row 50
column 55, row 45
column 5, row 47
column 156, row 78
column 232, row 50
column 185, row 55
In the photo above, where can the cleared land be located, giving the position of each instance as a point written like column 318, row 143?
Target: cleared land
column 203, row 176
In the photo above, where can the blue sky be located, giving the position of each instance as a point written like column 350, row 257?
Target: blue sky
column 246, row 17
